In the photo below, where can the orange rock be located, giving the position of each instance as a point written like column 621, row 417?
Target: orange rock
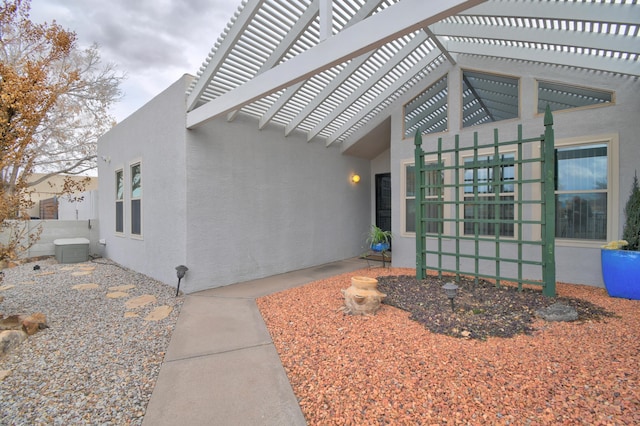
column 34, row 322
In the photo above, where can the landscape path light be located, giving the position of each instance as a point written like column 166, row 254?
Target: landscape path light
column 450, row 290
column 180, row 271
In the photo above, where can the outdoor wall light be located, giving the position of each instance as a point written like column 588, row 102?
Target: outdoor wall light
column 355, row 178
column 180, row 271
column 450, row 290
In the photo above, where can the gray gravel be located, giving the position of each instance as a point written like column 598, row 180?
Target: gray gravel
column 92, row 365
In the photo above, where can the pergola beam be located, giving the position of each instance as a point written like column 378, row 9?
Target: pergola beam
column 226, row 45
column 389, row 24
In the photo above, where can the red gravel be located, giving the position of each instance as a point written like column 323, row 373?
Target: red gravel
column 388, row 369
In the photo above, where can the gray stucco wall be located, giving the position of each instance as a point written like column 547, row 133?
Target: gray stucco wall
column 261, row 204
column 154, row 136
column 575, row 263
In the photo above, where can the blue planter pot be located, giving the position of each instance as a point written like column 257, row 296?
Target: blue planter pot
column 621, row 273
column 380, row 247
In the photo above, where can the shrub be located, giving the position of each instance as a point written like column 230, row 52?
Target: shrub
column 631, row 230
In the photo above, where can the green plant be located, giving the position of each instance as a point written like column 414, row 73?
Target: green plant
column 631, row 230
column 377, row 236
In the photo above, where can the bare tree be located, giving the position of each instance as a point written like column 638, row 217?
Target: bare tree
column 54, row 101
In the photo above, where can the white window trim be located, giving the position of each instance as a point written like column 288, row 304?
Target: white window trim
column 131, row 198
column 613, row 206
column 461, row 170
column 123, row 201
column 448, row 174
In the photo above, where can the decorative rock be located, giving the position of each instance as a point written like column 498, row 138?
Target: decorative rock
column 43, row 274
column 12, row 322
column 159, row 313
column 130, row 314
column 3, row 374
column 362, row 301
column 10, row 339
column 558, row 312
column 6, row 287
column 34, row 322
column 139, row 301
column 81, row 273
column 364, row 283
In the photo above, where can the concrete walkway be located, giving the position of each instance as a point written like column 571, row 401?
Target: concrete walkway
column 221, row 367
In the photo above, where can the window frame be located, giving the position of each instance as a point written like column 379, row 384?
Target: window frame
column 119, row 201
column 133, row 198
column 577, row 86
column 613, row 186
column 446, row 194
column 468, row 154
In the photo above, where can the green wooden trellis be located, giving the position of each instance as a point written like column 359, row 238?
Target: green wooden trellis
column 451, row 251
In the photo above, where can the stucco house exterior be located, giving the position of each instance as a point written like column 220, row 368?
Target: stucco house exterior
column 245, row 170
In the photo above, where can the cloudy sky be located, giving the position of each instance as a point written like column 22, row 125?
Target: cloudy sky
column 154, row 42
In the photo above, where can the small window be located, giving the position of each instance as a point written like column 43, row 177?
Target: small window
column 487, row 98
column 563, row 96
column 119, row 202
column 427, row 112
column 136, row 200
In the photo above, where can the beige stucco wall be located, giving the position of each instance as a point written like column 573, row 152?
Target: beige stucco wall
column 52, row 187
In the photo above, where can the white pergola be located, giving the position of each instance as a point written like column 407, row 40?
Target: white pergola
column 333, row 68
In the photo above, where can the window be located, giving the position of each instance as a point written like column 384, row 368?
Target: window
column 563, row 96
column 427, row 112
column 119, row 202
column 433, row 211
column 582, row 186
column 487, row 98
column 136, row 200
column 487, row 177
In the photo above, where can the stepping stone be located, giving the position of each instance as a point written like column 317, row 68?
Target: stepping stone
column 87, row 268
column 159, row 313
column 122, row 287
column 78, row 274
column 117, row 295
column 28, row 282
column 139, row 301
column 6, row 287
column 67, row 268
column 3, row 374
column 131, row 315
column 89, row 286
column 42, row 274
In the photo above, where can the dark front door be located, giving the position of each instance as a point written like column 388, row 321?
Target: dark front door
column 383, row 201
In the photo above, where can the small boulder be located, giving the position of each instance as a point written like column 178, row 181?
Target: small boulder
column 558, row 312
column 11, row 339
column 34, row 322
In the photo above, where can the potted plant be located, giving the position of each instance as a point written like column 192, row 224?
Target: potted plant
column 378, row 240
column 621, row 259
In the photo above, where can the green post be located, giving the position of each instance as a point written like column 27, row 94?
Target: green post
column 549, row 210
column 419, row 181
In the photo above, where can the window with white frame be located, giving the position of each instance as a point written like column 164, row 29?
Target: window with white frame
column 433, row 192
column 582, row 191
column 487, row 178
column 119, row 201
column 136, row 199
